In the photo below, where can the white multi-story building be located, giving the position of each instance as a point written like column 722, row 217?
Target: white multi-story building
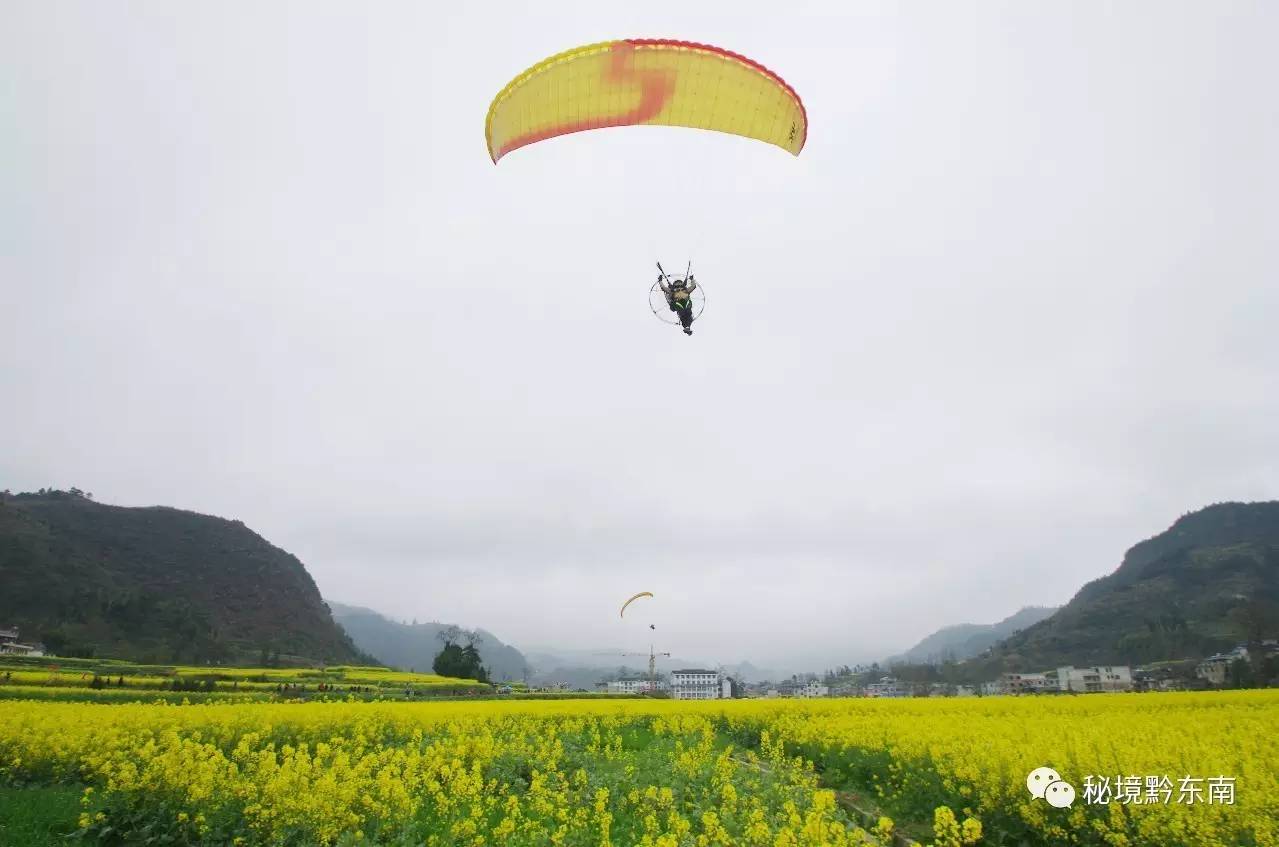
column 812, row 688
column 9, row 644
column 696, row 684
column 631, row 685
column 1101, row 678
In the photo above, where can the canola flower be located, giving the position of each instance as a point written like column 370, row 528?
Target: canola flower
column 246, row 679
column 449, row 774
column 650, row 773
column 972, row 755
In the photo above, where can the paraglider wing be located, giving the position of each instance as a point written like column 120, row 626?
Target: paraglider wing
column 622, row 613
column 645, row 81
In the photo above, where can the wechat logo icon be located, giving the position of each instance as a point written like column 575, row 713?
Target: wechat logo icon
column 1047, row 784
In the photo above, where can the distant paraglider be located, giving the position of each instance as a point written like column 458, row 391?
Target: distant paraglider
column 652, row 652
column 622, row 613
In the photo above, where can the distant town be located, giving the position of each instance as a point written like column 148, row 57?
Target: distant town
column 1217, row 671
column 704, row 684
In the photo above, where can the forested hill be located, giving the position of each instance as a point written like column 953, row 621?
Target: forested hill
column 1207, row 583
column 414, row 646
column 156, row 585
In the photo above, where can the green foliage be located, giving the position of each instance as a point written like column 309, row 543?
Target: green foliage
column 38, row 816
column 460, row 661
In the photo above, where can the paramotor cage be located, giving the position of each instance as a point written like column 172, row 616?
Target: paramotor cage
column 657, row 302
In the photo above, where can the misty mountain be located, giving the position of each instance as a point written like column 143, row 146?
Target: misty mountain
column 963, row 641
column 416, row 645
column 1197, row 588
column 156, row 585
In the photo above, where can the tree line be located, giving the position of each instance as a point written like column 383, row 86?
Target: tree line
column 460, row 656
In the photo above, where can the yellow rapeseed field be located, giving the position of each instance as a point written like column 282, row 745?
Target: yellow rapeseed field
column 243, row 678
column 657, row 772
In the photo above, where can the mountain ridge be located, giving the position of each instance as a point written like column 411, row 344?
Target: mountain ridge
column 966, row 640
column 1186, row 592
column 157, row 584
column 416, row 645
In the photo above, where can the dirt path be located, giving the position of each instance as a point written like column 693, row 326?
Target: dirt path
column 855, row 805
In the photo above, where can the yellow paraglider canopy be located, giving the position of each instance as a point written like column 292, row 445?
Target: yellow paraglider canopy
column 645, row 81
column 622, row 613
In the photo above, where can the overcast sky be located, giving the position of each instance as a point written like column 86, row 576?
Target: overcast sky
column 1012, row 310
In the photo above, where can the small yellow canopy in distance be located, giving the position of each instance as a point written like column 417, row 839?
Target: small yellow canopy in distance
column 622, row 613
column 645, row 81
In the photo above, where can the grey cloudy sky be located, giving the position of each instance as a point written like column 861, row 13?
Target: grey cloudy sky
column 1012, row 310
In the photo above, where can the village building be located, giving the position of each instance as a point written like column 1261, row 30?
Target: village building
column 1216, row 668
column 632, row 685
column 696, row 684
column 1025, row 683
column 888, row 687
column 1094, row 679
column 11, row 646
column 812, row 688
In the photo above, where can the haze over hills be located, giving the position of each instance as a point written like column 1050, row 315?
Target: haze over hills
column 158, row 585
column 966, row 640
column 164, row 585
column 1178, row 595
column 415, row 645
column 1208, row 582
